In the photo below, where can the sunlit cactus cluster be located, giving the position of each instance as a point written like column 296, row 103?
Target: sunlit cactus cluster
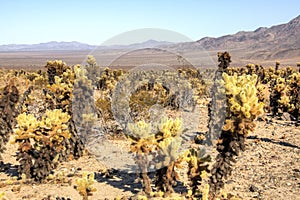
column 55, row 68
column 198, row 169
column 40, row 142
column 243, row 102
column 284, row 92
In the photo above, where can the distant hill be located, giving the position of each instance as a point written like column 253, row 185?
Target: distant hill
column 277, row 42
column 47, row 46
column 69, row 46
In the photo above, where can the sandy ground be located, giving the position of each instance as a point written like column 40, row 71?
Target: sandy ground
column 268, row 169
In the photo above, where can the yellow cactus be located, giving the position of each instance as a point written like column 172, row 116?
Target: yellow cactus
column 163, row 141
column 170, row 127
column 2, row 196
column 52, row 127
column 284, row 100
column 141, row 129
column 91, row 60
column 26, row 122
column 205, row 192
column 242, row 99
column 85, row 185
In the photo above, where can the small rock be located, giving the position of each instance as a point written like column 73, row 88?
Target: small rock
column 253, row 188
column 286, row 116
column 229, row 181
column 296, row 170
column 288, row 184
column 16, row 188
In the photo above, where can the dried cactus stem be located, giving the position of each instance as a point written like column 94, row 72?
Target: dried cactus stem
column 8, row 112
column 225, row 60
column 277, row 64
column 216, row 106
column 229, row 147
column 166, row 179
column 197, row 171
column 142, row 163
column 274, row 97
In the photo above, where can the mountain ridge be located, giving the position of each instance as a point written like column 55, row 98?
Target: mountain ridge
column 278, row 41
column 74, row 45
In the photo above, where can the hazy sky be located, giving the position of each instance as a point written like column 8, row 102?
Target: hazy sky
column 96, row 21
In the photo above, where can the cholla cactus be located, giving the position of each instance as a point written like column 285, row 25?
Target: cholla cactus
column 279, row 89
column 2, row 196
column 294, row 87
column 250, row 68
column 168, row 143
column 8, row 112
column 197, row 171
column 85, row 185
column 55, row 68
column 91, row 60
column 196, row 80
column 60, row 85
column 84, row 111
column 143, row 143
column 243, row 102
column 162, row 142
column 145, row 97
column 59, row 95
column 217, row 105
column 277, row 64
column 288, row 95
column 243, row 108
column 40, row 142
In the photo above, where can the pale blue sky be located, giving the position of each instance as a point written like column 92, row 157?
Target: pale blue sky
column 95, row 21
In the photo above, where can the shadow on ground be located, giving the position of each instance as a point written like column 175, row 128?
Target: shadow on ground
column 129, row 181
column 282, row 143
column 9, row 169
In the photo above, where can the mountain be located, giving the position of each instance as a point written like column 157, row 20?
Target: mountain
column 47, row 46
column 147, row 44
column 277, row 42
column 54, row 46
